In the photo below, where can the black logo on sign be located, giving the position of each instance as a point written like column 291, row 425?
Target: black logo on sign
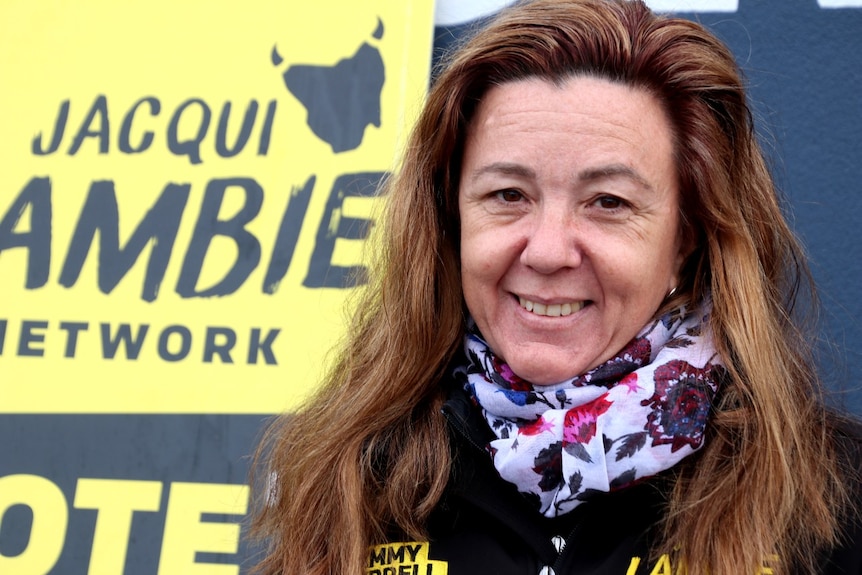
column 340, row 100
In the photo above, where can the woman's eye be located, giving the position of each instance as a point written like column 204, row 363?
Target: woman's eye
column 609, row 202
column 509, row 195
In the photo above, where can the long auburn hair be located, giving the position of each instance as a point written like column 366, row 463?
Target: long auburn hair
column 369, row 452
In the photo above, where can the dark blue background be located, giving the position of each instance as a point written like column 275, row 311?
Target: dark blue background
column 805, row 76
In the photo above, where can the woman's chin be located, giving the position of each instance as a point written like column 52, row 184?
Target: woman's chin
column 544, row 372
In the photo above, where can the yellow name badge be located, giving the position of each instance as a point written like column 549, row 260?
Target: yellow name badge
column 410, row 558
column 186, row 192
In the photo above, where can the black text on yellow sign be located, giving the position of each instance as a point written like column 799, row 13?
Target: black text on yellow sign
column 180, row 217
column 186, row 533
column 100, row 217
column 98, row 224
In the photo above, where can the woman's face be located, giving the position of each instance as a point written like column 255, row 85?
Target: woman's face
column 570, row 232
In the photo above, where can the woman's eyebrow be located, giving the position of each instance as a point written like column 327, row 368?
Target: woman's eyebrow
column 614, row 171
column 590, row 174
column 504, row 168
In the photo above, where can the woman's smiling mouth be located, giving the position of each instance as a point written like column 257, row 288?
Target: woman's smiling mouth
column 551, row 310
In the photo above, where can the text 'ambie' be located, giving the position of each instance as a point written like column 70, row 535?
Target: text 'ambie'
column 158, row 228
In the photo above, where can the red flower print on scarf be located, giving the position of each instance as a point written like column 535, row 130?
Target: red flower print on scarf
column 549, row 465
column 681, row 404
column 631, row 382
column 509, row 379
column 580, row 421
column 535, row 428
column 634, row 355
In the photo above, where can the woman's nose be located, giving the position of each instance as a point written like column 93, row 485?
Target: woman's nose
column 552, row 243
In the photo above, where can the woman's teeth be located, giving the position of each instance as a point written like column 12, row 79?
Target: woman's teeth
column 552, row 310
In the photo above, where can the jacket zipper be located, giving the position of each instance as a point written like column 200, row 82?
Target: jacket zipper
column 459, row 426
column 557, row 567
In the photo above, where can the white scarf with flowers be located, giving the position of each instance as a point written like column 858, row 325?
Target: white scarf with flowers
column 635, row 415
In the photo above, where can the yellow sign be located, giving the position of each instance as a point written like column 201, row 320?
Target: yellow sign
column 185, row 193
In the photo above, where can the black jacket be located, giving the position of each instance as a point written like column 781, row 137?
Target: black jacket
column 483, row 526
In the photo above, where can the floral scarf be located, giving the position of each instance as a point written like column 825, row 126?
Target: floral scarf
column 635, row 415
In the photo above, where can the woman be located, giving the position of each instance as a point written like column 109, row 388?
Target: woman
column 581, row 351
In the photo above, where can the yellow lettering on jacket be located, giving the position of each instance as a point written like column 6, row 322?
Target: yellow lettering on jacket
column 404, row 558
column 766, row 568
column 662, row 567
column 411, row 558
